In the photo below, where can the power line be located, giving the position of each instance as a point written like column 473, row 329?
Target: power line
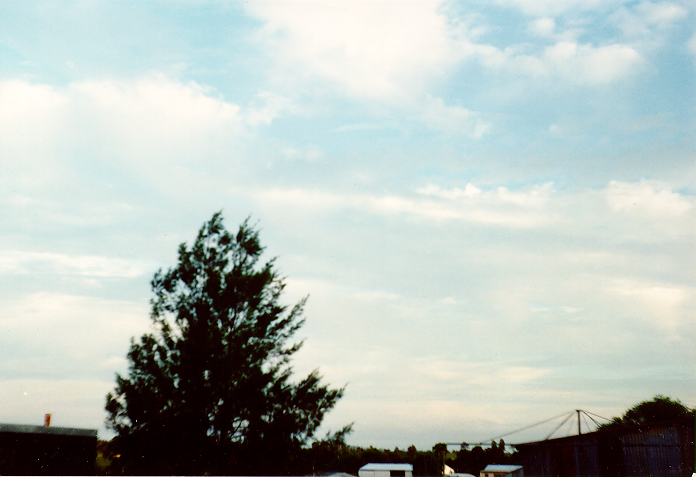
column 588, row 425
column 588, row 414
column 526, row 427
column 595, row 414
column 559, row 425
column 590, row 417
column 569, row 431
column 593, row 419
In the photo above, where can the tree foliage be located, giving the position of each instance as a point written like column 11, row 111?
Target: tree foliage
column 210, row 390
column 474, row 460
column 660, row 409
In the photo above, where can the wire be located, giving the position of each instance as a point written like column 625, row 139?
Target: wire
column 587, row 421
column 594, row 414
column 561, row 424
column 587, row 414
column 571, row 427
column 593, row 420
column 525, row 427
column 583, row 420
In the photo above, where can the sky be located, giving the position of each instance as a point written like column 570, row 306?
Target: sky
column 491, row 205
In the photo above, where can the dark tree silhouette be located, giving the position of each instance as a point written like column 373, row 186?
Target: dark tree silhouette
column 660, row 409
column 210, row 390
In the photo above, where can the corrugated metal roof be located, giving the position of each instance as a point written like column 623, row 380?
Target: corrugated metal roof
column 30, row 428
column 387, row 466
column 502, row 468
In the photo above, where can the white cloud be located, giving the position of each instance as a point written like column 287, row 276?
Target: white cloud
column 647, row 198
column 150, row 117
column 268, row 107
column 566, row 59
column 500, row 207
column 377, row 51
column 453, row 119
column 31, row 112
column 587, row 64
column 661, row 13
column 373, row 50
column 155, row 118
column 155, row 102
column 395, row 55
column 73, row 326
column 522, row 374
column 306, row 154
column 27, row 262
column 139, row 122
column 469, row 190
column 543, row 27
column 26, row 106
column 39, row 208
column 647, row 19
column 668, row 306
column 477, row 374
column 535, row 197
column 539, row 8
column 555, row 129
column 692, row 44
column 153, row 129
column 377, row 296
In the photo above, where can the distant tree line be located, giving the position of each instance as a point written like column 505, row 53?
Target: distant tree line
column 333, row 455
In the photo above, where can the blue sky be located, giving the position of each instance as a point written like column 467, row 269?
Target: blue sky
column 492, row 205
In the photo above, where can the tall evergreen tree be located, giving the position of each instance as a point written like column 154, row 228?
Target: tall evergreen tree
column 210, row 390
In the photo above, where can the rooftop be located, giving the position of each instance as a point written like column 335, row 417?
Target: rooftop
column 30, row 428
column 502, row 468
column 387, row 466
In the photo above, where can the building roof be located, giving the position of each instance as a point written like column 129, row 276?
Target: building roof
column 30, row 428
column 387, row 466
column 501, row 468
column 589, row 436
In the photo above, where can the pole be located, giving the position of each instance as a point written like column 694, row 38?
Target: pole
column 579, row 428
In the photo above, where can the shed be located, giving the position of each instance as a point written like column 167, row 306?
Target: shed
column 502, row 471
column 664, row 449
column 44, row 450
column 386, row 470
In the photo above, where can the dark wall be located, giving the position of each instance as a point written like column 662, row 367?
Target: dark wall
column 661, row 450
column 46, row 454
